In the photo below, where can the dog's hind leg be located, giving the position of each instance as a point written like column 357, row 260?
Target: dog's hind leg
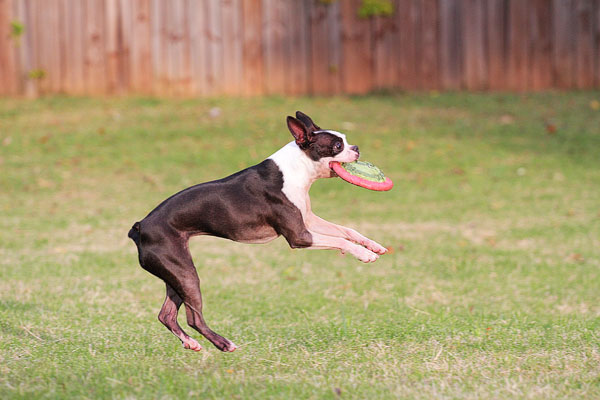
column 168, row 317
column 193, row 308
column 169, row 259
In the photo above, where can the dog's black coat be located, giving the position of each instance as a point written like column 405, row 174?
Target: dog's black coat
column 248, row 206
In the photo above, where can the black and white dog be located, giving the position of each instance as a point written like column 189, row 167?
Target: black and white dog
column 255, row 205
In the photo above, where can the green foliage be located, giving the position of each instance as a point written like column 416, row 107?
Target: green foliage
column 17, row 29
column 376, row 8
column 37, row 74
column 370, row 8
column 490, row 289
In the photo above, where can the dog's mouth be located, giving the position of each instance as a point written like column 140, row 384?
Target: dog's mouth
column 331, row 163
column 332, row 173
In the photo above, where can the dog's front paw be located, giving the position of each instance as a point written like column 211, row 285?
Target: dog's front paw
column 365, row 255
column 374, row 246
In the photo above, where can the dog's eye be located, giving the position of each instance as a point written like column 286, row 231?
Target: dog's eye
column 337, row 146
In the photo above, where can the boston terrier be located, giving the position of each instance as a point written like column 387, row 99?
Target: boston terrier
column 255, row 205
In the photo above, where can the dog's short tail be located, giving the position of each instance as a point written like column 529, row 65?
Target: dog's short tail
column 134, row 233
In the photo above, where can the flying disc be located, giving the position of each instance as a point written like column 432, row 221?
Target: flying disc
column 362, row 174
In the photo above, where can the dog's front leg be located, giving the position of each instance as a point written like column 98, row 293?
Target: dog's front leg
column 321, row 241
column 319, row 225
column 299, row 236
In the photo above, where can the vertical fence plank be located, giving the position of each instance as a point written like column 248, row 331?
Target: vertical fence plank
column 297, row 48
column 386, row 51
column 197, row 15
column 126, row 10
column 334, row 41
column 384, row 35
column 47, row 45
column 356, row 50
column 140, row 67
column 38, row 71
column 415, row 15
column 186, row 69
column 540, row 45
column 95, row 37
column 177, row 43
column 597, row 44
column 584, row 38
column 273, row 46
column 564, row 33
column 23, row 52
column 5, row 45
column 252, row 47
column 407, row 69
column 475, row 61
column 161, row 60
column 15, row 52
column 451, row 46
column 518, row 49
column 325, row 44
column 232, row 46
column 27, row 52
column 38, row 68
column 172, row 41
column 112, row 45
column 49, row 13
column 8, row 60
column 429, row 45
column 157, row 58
column 169, row 46
column 63, row 42
column 496, row 43
column 76, row 46
column 214, row 56
column 287, row 26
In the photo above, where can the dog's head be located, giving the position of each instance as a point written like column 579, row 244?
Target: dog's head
column 320, row 145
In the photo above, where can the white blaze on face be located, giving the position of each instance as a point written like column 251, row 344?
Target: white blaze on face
column 347, row 155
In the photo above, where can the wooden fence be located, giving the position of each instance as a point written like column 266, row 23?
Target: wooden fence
column 251, row 47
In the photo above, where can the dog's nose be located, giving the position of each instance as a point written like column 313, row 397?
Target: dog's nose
column 355, row 148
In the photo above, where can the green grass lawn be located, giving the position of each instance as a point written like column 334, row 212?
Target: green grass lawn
column 491, row 290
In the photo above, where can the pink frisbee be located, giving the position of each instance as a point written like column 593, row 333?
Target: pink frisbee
column 362, row 174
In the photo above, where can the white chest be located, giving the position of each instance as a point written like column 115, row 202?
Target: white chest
column 299, row 172
column 298, row 197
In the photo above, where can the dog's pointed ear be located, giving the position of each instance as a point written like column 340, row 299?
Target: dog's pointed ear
column 298, row 130
column 306, row 120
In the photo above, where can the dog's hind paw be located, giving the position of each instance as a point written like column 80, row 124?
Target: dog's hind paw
column 231, row 347
column 192, row 344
